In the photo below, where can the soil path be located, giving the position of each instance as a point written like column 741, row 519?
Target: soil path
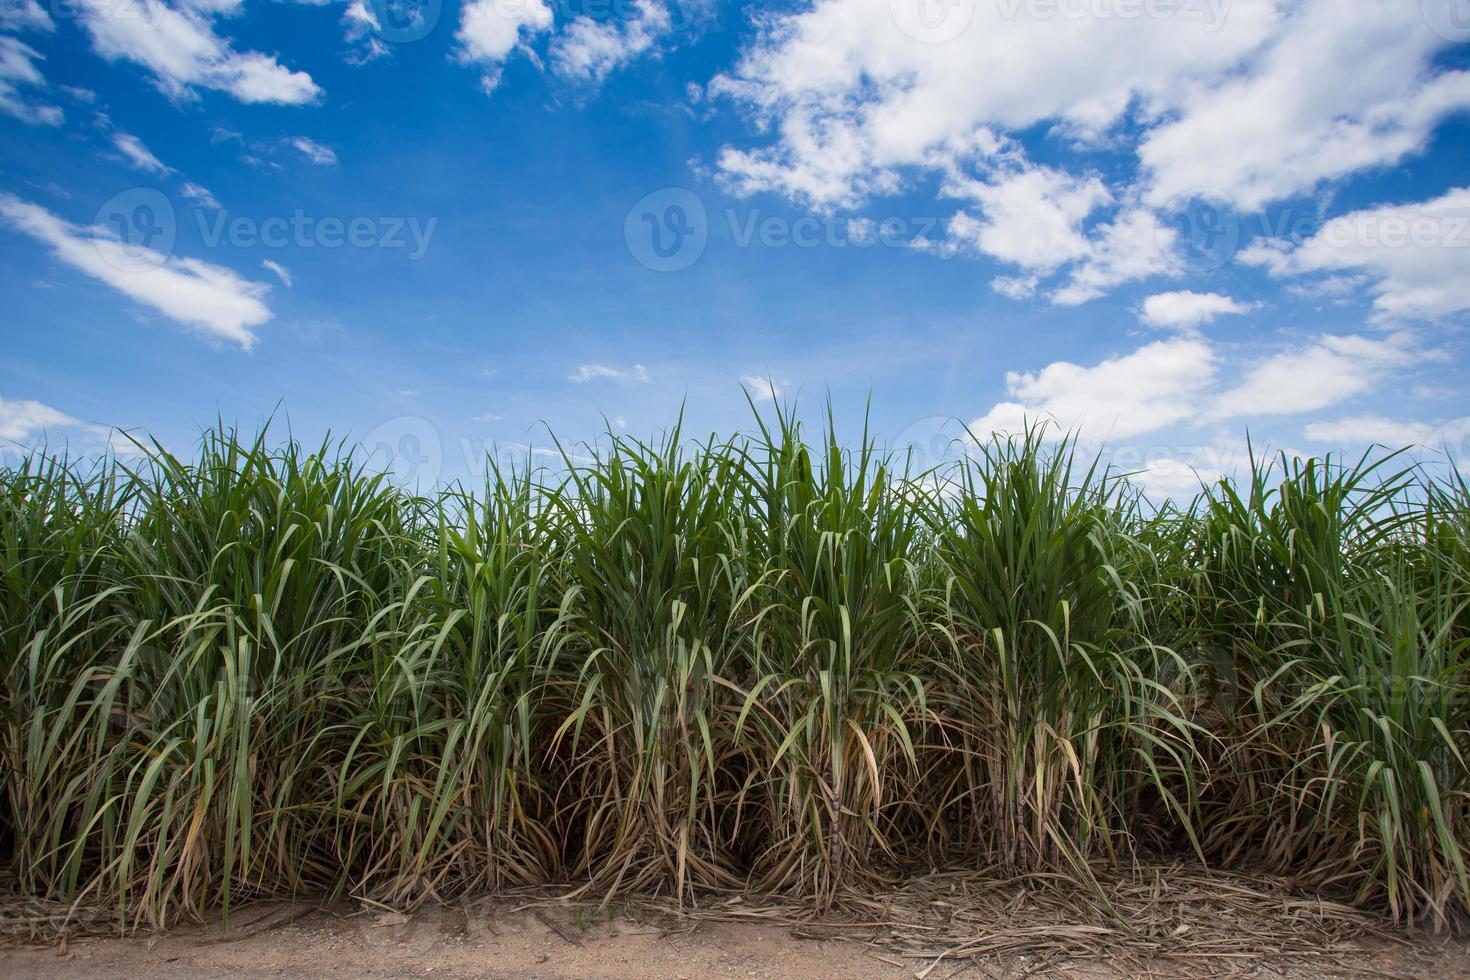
column 276, row 941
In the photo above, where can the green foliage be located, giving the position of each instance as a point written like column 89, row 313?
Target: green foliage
column 766, row 663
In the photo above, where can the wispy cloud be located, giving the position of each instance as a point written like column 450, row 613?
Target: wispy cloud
column 636, row 374
column 199, row 195
column 17, row 71
column 322, row 156
column 208, row 298
column 279, row 271
column 138, row 156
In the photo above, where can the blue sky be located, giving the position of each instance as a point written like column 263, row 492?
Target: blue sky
column 437, row 227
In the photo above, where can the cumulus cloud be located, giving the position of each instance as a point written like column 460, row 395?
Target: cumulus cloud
column 1031, row 218
column 1142, row 391
column 21, row 420
column 1337, row 88
column 1306, row 379
column 178, row 46
column 1187, row 383
column 1415, row 256
column 1257, row 100
column 490, row 30
column 208, row 298
column 28, row 422
column 1188, row 310
column 1016, row 287
column 636, row 374
column 1376, row 429
column 588, row 50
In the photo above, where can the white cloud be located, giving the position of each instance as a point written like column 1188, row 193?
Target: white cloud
column 1339, row 88
column 1416, row 255
column 1188, row 310
column 764, row 389
column 1364, row 429
column 22, row 420
column 1150, row 388
column 138, row 156
column 199, row 195
column 360, row 27
column 1031, row 218
column 637, row 374
column 1181, row 471
column 1260, row 100
column 1307, row 379
column 278, row 270
column 1016, row 287
column 17, row 71
column 589, row 50
column 850, row 96
column 489, row 30
column 208, row 298
column 31, row 422
column 27, row 15
column 1185, row 383
column 359, row 20
column 1132, row 246
column 322, row 156
column 179, row 47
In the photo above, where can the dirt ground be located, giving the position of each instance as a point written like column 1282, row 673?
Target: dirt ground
column 506, row 941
